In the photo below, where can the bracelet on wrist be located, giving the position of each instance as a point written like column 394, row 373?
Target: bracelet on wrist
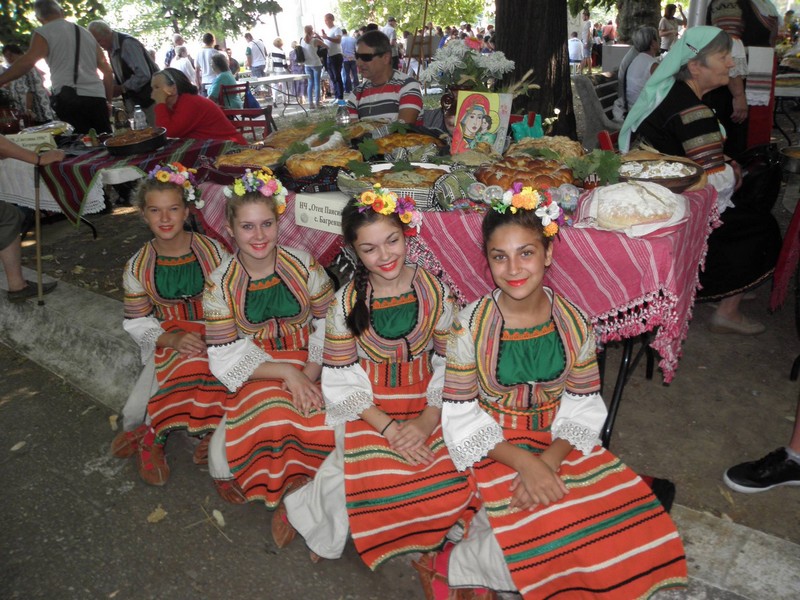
column 387, row 426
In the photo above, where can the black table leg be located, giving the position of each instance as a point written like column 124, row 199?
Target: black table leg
column 619, row 387
column 91, row 226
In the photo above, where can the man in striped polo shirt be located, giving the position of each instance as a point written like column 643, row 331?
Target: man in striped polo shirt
column 384, row 94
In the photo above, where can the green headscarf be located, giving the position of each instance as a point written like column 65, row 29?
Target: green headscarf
column 663, row 78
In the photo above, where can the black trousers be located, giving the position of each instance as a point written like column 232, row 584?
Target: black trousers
column 85, row 113
column 334, row 66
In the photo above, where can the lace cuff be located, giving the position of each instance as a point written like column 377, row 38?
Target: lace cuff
column 315, row 354
column 434, row 397
column 580, row 436
column 147, row 344
column 243, row 369
column 476, row 446
column 348, row 409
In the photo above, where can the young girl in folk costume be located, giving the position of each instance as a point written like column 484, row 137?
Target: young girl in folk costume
column 265, row 312
column 164, row 314
column 522, row 414
column 390, row 479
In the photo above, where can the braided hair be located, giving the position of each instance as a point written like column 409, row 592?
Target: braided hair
column 353, row 219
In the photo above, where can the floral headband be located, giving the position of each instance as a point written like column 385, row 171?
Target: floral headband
column 385, row 202
column 527, row 198
column 182, row 176
column 262, row 182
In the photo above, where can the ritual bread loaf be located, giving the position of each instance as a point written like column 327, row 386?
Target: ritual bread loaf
column 561, row 145
column 534, row 172
column 325, row 142
column 389, row 142
column 310, row 163
column 284, row 137
column 266, row 157
column 624, row 205
column 418, row 177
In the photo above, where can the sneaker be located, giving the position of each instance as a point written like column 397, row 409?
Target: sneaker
column 773, row 470
column 31, row 291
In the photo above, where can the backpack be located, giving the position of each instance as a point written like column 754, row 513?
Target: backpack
column 300, row 56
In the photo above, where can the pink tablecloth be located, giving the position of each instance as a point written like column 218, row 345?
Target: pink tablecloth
column 627, row 286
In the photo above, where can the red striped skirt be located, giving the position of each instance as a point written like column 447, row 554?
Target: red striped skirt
column 395, row 507
column 189, row 396
column 268, row 441
column 609, row 536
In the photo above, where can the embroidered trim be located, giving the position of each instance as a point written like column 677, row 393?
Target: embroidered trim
column 434, row 397
column 315, row 354
column 348, row 409
column 235, row 378
column 476, row 446
column 148, row 343
column 580, row 436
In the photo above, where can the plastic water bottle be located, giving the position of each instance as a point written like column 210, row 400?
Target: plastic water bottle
column 139, row 118
column 342, row 114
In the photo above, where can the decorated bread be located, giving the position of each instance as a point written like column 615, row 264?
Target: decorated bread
column 284, row 137
column 265, row 157
column 561, row 145
column 309, row 164
column 535, row 172
column 418, row 177
column 133, row 136
column 359, row 129
column 624, row 205
column 389, row 142
column 326, row 142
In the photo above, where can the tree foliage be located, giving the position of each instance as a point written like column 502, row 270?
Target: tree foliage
column 17, row 20
column 409, row 15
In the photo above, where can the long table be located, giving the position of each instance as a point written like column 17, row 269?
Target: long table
column 627, row 286
column 75, row 186
column 272, row 81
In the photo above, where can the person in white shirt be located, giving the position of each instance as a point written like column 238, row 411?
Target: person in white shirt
column 390, row 30
column 183, row 62
column 575, row 49
column 205, row 71
column 333, row 38
column 586, row 41
column 256, row 55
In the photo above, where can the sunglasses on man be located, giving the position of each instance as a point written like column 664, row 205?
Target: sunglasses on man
column 367, row 57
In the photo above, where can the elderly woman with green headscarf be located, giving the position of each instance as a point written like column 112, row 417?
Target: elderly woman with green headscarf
column 671, row 117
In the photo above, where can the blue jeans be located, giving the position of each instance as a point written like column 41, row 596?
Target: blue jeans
column 334, row 67
column 349, row 75
column 257, row 71
column 314, row 74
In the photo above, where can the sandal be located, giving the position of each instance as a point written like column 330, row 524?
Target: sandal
column 153, row 468
column 200, row 456
column 315, row 558
column 432, row 569
column 282, row 531
column 126, row 443
column 230, row 491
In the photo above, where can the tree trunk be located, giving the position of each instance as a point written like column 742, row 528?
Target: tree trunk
column 532, row 33
column 634, row 14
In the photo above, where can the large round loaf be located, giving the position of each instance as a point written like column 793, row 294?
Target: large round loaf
column 529, row 171
column 624, row 205
column 308, row 164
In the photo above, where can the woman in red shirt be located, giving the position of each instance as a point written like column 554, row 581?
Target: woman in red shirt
column 184, row 114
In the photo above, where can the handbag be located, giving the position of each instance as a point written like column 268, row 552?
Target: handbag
column 68, row 94
column 249, row 99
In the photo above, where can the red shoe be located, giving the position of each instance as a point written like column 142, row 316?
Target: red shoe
column 230, row 491
column 200, row 456
column 153, row 468
column 282, row 531
column 432, row 568
column 126, row 443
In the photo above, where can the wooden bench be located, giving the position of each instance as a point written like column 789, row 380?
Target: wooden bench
column 597, row 102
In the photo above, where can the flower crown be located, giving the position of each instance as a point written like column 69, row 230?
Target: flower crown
column 176, row 173
column 385, row 202
column 527, row 198
column 262, row 182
